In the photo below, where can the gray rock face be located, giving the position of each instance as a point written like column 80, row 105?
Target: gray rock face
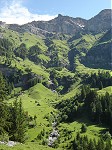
column 67, row 25
column 61, row 24
column 54, row 135
column 100, row 22
column 9, row 143
column 3, row 24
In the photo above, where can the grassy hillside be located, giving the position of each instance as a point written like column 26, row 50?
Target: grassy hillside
column 54, row 72
column 99, row 55
column 37, row 101
column 27, row 146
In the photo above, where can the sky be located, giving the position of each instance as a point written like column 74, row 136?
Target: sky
column 24, row 11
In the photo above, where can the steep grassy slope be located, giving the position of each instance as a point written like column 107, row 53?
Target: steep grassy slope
column 73, row 128
column 99, row 55
column 55, row 61
column 80, row 44
column 28, row 146
column 37, row 101
column 17, row 38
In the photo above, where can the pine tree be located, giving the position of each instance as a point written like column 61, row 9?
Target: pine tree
column 83, row 128
column 3, row 106
column 108, row 145
column 18, row 120
column 21, row 123
column 100, row 145
column 91, row 145
column 100, row 86
column 83, row 93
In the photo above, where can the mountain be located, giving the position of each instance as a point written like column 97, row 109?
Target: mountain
column 56, row 84
column 100, row 22
column 99, row 56
column 61, row 24
column 67, row 25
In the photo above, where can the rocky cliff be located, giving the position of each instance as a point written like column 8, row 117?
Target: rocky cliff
column 67, row 25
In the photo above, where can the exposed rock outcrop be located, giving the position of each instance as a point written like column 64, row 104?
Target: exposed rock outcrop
column 67, row 25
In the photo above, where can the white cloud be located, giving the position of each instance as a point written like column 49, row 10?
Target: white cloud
column 14, row 12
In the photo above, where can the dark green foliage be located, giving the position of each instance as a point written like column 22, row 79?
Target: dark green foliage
column 66, row 81
column 83, row 143
column 99, row 56
column 83, row 93
column 88, row 104
column 100, row 85
column 53, row 53
column 6, row 48
column 21, row 51
column 3, row 87
column 83, row 128
column 16, row 78
column 70, row 110
column 33, row 53
column 107, row 136
column 71, row 57
column 100, row 80
column 3, row 118
column 18, row 122
column 12, row 118
column 106, row 37
column 100, row 108
column 48, row 42
column 30, row 80
column 97, row 108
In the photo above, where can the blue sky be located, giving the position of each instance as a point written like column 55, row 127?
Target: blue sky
column 81, row 8
column 23, row 11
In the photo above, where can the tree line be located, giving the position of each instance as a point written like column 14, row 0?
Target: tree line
column 88, row 103
column 100, row 80
column 12, row 116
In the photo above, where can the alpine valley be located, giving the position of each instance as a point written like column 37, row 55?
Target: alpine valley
column 56, row 84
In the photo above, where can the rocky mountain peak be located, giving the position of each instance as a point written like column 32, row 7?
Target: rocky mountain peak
column 59, row 15
column 105, row 12
column 101, row 22
column 67, row 25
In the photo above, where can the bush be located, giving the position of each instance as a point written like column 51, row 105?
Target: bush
column 83, row 128
column 107, row 136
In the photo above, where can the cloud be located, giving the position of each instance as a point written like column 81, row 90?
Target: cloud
column 14, row 12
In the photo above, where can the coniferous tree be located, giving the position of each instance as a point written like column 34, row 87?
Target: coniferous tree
column 83, row 128
column 3, row 106
column 83, row 93
column 100, row 86
column 18, row 122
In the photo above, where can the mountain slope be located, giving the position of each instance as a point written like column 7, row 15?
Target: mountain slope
column 99, row 56
column 100, row 22
column 49, row 67
column 67, row 25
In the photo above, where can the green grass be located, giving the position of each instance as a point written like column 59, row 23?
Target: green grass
column 80, row 68
column 44, row 58
column 23, row 64
column 93, row 131
column 27, row 146
column 65, row 72
column 85, row 41
column 44, row 97
column 75, row 89
column 38, row 100
column 62, row 48
column 27, row 38
column 104, row 90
